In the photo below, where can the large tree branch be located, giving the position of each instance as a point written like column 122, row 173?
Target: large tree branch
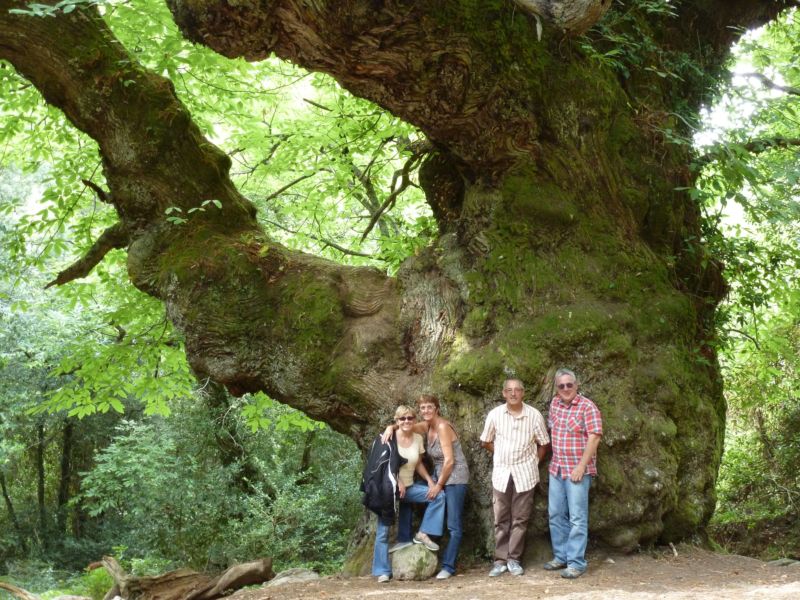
column 78, row 66
column 255, row 316
column 424, row 61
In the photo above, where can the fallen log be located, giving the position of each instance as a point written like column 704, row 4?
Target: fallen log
column 237, row 577
column 184, row 584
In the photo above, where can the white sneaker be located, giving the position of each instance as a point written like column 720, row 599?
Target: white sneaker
column 514, row 567
column 444, row 574
column 422, row 538
column 398, row 546
column 498, row 569
column 384, row 578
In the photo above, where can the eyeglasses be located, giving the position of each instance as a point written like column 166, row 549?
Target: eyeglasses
column 566, row 386
column 405, row 418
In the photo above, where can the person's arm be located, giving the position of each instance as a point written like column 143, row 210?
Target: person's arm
column 421, row 427
column 588, row 453
column 445, row 433
column 487, row 437
column 541, row 451
column 388, row 433
column 423, row 472
column 541, row 437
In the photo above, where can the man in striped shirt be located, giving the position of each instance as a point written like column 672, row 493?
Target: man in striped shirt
column 516, row 434
column 576, row 426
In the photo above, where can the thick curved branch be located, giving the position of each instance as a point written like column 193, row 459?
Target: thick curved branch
column 77, row 64
column 420, row 60
column 254, row 315
column 112, row 238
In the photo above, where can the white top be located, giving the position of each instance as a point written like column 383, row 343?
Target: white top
column 412, row 454
column 515, row 439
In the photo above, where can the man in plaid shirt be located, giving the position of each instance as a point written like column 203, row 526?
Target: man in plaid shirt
column 575, row 430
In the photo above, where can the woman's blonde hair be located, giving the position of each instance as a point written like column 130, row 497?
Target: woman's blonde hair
column 403, row 410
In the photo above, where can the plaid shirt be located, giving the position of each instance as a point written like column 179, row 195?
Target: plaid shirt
column 570, row 426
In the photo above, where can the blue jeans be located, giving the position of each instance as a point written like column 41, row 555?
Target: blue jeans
column 432, row 522
column 381, row 565
column 568, row 506
column 454, row 501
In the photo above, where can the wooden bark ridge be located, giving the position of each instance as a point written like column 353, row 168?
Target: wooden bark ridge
column 566, row 236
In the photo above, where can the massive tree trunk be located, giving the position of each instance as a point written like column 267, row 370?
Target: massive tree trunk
column 566, row 236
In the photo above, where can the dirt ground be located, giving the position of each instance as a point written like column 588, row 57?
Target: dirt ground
column 658, row 574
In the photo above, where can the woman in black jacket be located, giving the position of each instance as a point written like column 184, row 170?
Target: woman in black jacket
column 408, row 447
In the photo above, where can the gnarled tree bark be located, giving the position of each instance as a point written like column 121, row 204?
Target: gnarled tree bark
column 564, row 238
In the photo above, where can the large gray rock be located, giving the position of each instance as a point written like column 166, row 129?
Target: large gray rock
column 413, row 562
column 292, row 576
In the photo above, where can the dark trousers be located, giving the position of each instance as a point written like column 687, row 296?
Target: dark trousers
column 512, row 509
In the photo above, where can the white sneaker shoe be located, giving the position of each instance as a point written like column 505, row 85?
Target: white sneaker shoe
column 444, row 574
column 422, row 538
column 398, row 546
column 384, row 578
column 498, row 569
column 514, row 567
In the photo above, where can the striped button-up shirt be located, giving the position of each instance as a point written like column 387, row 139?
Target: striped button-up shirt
column 515, row 438
column 571, row 425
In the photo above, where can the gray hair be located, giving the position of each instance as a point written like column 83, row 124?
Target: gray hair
column 562, row 372
column 517, row 379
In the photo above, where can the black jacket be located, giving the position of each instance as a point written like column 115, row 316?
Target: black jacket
column 379, row 481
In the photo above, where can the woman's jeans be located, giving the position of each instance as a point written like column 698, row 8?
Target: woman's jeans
column 381, row 565
column 568, row 505
column 432, row 524
column 454, row 501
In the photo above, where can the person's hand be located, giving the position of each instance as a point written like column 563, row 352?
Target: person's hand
column 577, row 473
column 433, row 490
column 401, row 486
column 387, row 434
